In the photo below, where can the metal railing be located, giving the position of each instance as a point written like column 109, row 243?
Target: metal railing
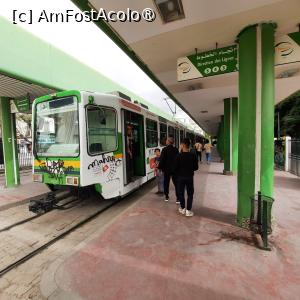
column 24, row 156
column 261, row 215
column 294, row 157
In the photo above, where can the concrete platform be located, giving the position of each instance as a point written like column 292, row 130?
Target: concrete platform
column 152, row 252
column 27, row 190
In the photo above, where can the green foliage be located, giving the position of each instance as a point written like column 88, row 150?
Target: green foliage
column 289, row 116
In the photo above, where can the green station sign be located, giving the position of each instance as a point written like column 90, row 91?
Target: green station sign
column 225, row 60
column 209, row 63
column 22, row 105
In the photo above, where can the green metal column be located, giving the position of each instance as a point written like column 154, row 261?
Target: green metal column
column 267, row 111
column 220, row 144
column 230, row 135
column 11, row 162
column 256, row 115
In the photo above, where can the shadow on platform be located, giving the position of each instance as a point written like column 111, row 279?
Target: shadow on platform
column 217, row 215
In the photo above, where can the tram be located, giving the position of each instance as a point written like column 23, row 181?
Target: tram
column 106, row 141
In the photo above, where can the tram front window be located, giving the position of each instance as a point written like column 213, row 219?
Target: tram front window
column 56, row 126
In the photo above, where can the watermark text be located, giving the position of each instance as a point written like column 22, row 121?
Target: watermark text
column 69, row 15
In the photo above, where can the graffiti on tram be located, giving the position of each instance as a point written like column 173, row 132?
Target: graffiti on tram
column 106, row 165
column 55, row 169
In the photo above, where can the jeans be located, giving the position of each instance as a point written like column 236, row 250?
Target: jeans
column 167, row 178
column 199, row 156
column 188, row 184
column 207, row 157
column 160, row 182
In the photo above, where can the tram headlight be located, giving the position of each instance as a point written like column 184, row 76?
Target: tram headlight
column 72, row 180
column 37, row 177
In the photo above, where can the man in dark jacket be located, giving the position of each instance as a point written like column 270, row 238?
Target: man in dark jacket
column 166, row 164
column 185, row 165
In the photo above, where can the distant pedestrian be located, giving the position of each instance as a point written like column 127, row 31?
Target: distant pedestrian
column 198, row 148
column 158, row 173
column 186, row 164
column 166, row 164
column 207, row 148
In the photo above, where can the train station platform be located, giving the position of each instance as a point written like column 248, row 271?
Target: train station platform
column 152, row 252
column 27, row 190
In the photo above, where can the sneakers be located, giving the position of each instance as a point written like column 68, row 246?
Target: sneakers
column 181, row 210
column 167, row 198
column 189, row 213
column 177, row 202
column 185, row 212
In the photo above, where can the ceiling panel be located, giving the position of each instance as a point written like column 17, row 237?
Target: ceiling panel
column 14, row 88
column 206, row 23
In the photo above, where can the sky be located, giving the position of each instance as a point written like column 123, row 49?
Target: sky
column 96, row 54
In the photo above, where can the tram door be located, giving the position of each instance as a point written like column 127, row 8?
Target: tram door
column 134, row 139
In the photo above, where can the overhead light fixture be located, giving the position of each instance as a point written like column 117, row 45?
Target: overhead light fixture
column 170, row 10
column 204, row 111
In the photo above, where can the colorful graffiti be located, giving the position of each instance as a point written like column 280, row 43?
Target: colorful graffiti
column 55, row 168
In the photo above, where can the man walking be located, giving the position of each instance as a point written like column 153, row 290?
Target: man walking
column 207, row 147
column 166, row 164
column 186, row 164
column 198, row 148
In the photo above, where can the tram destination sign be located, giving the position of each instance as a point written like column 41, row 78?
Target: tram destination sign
column 209, row 63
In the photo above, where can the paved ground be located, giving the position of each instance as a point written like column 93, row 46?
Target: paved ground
column 24, row 282
column 10, row 197
column 152, row 252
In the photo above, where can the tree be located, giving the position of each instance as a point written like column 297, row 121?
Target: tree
column 289, row 112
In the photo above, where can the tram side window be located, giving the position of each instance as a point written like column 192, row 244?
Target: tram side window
column 171, row 132
column 151, row 133
column 101, row 129
column 181, row 135
column 163, row 134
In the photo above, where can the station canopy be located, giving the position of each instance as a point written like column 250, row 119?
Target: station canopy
column 14, row 88
column 205, row 25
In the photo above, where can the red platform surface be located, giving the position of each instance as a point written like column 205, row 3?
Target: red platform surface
column 151, row 252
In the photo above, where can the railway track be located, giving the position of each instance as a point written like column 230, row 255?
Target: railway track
column 63, row 205
column 17, row 235
column 33, row 235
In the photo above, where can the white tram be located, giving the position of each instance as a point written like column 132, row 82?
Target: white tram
column 102, row 140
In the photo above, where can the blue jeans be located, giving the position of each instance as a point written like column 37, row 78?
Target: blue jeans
column 207, row 157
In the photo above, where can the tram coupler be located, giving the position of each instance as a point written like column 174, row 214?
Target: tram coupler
column 43, row 205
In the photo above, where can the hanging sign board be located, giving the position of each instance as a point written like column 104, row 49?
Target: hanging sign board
column 225, row 60
column 20, row 105
column 210, row 63
column 287, row 48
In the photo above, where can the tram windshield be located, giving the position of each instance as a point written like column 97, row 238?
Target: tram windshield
column 56, row 128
